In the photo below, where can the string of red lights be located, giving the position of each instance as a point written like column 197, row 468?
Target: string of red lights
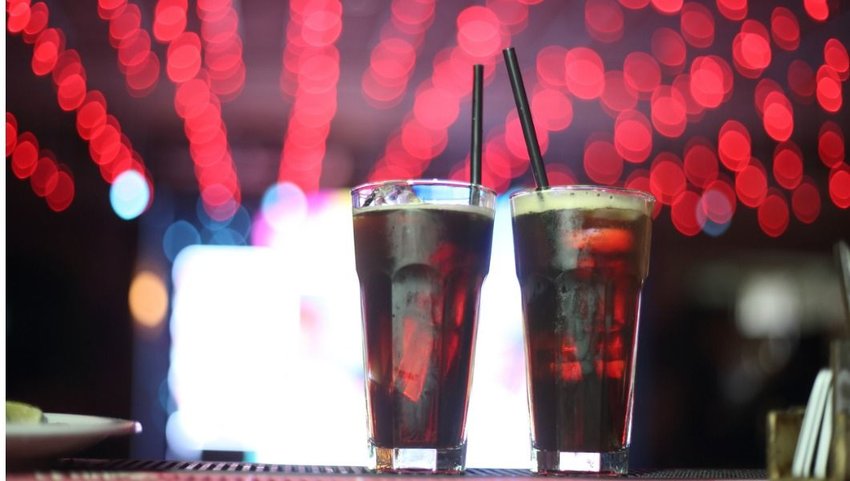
column 653, row 98
column 48, row 178
column 393, row 58
column 109, row 148
column 199, row 83
column 309, row 77
column 694, row 187
column 140, row 66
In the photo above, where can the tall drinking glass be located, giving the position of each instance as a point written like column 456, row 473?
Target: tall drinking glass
column 582, row 254
column 422, row 250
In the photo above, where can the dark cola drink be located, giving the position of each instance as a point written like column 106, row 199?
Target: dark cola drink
column 582, row 254
column 421, row 266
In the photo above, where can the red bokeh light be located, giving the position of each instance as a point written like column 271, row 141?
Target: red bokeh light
column 479, row 32
column 321, row 23
column 134, row 49
column 223, row 27
column 788, row 165
column 107, row 8
column 778, row 117
column 71, row 92
column 515, row 141
column 785, row 29
column 667, row 7
column 694, row 109
column 39, row 16
column 560, row 174
column 550, row 65
column 604, row 20
column 169, row 20
column 62, row 195
column 666, row 177
column 829, row 89
column 801, row 81
column 734, row 146
column 585, row 73
column 641, row 72
column 142, row 79
column 512, row 166
column 751, row 52
column 669, row 48
column 831, row 144
column 700, row 164
column 773, row 214
column 751, row 184
column 764, row 87
column 392, row 59
column 46, row 50
column 552, row 109
column 183, row 57
column 67, row 63
column 382, row 95
column 733, row 9
column 718, row 202
column 422, row 142
column 124, row 23
column 711, row 81
column 18, row 15
column 617, row 95
column 839, row 187
column 668, row 111
column 683, row 213
column 639, row 180
column 805, row 202
column 11, row 133
column 414, row 17
column 817, row 9
column 25, row 155
column 697, row 25
column 451, row 71
column 602, row 163
column 91, row 116
column 634, row 4
column 45, row 177
column 105, row 146
column 835, row 55
column 435, row 108
column 633, row 136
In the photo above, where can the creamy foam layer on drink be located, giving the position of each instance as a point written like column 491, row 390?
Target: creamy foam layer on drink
column 471, row 209
column 580, row 199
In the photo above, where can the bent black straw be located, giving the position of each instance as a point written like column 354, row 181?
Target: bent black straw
column 537, row 167
column 477, row 120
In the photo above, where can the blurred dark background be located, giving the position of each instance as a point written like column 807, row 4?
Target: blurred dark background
column 712, row 360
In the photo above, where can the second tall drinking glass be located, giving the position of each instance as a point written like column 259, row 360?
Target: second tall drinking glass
column 582, row 254
column 422, row 250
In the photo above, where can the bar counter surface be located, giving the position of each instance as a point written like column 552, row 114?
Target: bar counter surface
column 142, row 470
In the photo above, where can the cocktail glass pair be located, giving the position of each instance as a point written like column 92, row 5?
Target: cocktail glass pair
column 422, row 252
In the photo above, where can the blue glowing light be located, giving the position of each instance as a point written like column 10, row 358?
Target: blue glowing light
column 129, row 194
column 178, row 236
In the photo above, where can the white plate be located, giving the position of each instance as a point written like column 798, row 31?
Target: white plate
column 62, row 435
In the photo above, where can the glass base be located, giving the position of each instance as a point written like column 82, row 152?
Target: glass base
column 561, row 462
column 418, row 460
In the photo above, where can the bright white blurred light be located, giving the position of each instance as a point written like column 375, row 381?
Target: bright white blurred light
column 129, row 194
column 267, row 344
column 769, row 306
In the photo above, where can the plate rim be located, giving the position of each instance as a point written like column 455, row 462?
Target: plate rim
column 72, row 425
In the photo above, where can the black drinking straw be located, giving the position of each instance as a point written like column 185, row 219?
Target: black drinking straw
column 537, row 167
column 477, row 120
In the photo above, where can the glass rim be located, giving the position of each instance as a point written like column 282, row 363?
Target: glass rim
column 427, row 182
column 621, row 191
